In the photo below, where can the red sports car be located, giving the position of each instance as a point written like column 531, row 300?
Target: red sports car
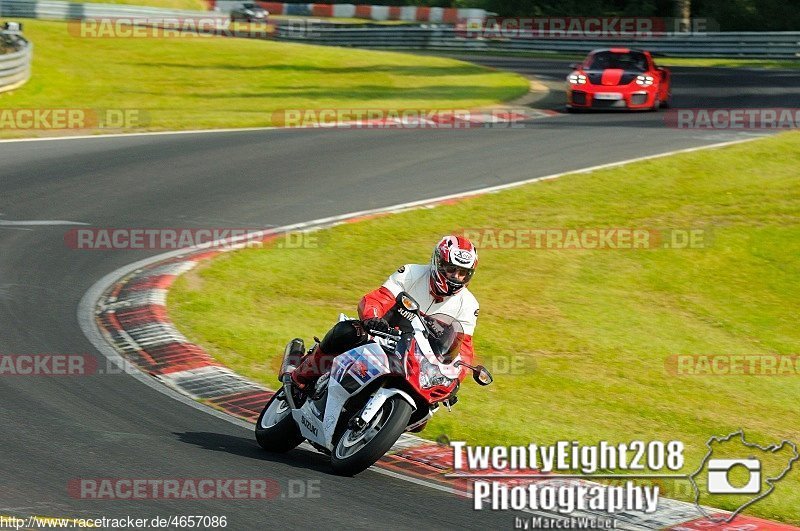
column 618, row 78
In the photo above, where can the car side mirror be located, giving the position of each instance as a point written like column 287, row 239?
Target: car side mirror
column 575, row 66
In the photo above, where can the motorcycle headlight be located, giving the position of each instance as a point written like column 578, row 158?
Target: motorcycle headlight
column 577, row 79
column 644, row 81
column 430, row 375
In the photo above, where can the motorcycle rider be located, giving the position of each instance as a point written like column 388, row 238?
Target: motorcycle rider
column 439, row 287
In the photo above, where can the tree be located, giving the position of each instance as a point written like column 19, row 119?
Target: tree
column 683, row 12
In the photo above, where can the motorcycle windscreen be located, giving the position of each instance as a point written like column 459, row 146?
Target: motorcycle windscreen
column 446, row 337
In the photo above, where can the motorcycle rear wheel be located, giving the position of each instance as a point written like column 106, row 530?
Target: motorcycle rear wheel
column 276, row 430
column 358, row 449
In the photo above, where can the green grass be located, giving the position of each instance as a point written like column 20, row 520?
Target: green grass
column 214, row 82
column 593, row 329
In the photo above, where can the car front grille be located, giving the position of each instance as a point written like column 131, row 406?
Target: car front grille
column 578, row 97
column 605, row 104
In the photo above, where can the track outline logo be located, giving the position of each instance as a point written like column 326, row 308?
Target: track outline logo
column 773, row 448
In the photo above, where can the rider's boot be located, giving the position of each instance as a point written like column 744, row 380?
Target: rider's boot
column 311, row 368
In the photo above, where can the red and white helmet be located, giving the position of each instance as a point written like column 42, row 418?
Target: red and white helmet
column 452, row 265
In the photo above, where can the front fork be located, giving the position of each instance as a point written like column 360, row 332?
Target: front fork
column 375, row 403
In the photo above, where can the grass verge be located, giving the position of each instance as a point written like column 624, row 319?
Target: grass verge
column 578, row 339
column 215, row 82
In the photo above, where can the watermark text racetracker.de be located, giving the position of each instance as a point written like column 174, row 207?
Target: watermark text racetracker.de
column 401, row 118
column 42, row 364
column 147, row 239
column 188, row 521
column 143, row 27
column 776, row 118
column 589, row 238
column 580, row 27
column 733, row 365
column 14, row 365
column 133, row 489
column 71, row 119
column 57, row 365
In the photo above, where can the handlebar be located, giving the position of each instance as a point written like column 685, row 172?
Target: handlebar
column 391, row 334
column 391, row 338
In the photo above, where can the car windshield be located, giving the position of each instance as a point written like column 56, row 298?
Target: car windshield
column 632, row 61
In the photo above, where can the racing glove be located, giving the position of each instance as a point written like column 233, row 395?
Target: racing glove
column 376, row 323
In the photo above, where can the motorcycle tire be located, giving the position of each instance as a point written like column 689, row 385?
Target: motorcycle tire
column 281, row 433
column 373, row 441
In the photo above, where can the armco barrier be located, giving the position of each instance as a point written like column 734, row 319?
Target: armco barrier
column 61, row 10
column 438, row 37
column 15, row 67
column 369, row 12
column 774, row 45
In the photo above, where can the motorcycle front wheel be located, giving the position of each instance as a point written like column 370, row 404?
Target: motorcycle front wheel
column 276, row 430
column 358, row 449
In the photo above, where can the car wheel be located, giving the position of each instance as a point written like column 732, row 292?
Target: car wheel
column 656, row 105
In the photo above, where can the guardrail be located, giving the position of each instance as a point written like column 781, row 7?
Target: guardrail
column 365, row 11
column 15, row 67
column 772, row 45
column 61, row 10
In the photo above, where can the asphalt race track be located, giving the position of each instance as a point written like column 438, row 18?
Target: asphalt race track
column 57, row 429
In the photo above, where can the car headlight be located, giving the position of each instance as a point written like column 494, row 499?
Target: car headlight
column 577, row 79
column 644, row 81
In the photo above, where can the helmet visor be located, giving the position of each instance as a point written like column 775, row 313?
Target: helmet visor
column 457, row 274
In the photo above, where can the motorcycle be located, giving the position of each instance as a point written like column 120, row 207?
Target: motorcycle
column 391, row 384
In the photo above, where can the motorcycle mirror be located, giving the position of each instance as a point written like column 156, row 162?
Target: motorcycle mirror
column 482, row 376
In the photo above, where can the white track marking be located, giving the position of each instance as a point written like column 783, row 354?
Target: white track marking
column 151, row 133
column 192, row 132
column 38, row 222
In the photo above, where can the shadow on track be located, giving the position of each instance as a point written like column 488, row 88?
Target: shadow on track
column 248, row 447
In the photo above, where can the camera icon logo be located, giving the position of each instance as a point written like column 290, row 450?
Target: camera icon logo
column 719, row 471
